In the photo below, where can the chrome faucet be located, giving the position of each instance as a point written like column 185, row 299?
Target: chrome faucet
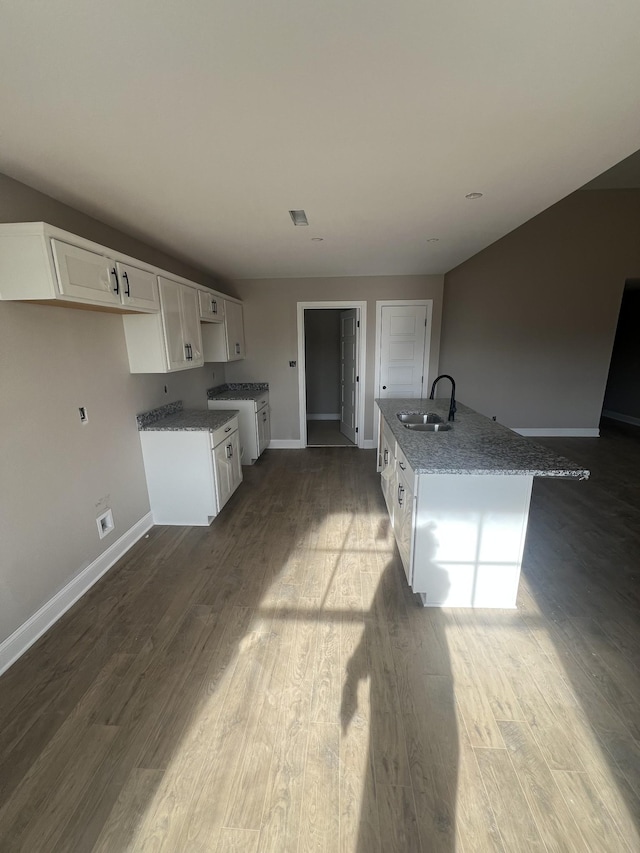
column 452, row 404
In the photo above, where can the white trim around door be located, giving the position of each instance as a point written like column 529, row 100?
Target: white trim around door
column 361, row 308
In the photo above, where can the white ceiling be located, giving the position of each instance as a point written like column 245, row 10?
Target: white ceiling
column 197, row 125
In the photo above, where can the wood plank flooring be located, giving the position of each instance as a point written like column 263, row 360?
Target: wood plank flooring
column 269, row 684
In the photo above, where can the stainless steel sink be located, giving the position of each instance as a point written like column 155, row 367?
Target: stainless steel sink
column 429, row 427
column 408, row 418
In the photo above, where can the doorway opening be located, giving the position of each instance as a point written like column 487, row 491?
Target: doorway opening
column 622, row 394
column 331, row 382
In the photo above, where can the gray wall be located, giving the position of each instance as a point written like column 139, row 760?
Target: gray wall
column 53, row 470
column 622, row 396
column 322, row 358
column 270, row 313
column 529, row 322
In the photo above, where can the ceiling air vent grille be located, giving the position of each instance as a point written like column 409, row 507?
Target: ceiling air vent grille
column 298, row 217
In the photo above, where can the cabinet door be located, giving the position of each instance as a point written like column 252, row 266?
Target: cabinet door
column 264, row 428
column 403, row 524
column 139, row 288
column 387, row 476
column 211, row 307
column 191, row 334
column 172, row 323
column 236, row 462
column 85, row 275
column 234, row 326
column 224, row 461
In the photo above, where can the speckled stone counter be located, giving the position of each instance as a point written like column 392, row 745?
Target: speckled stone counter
column 237, row 391
column 173, row 418
column 475, row 445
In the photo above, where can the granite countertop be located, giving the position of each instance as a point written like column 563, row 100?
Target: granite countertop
column 174, row 418
column 475, row 445
column 237, row 391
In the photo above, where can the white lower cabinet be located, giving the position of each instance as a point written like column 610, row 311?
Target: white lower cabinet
column 191, row 474
column 255, row 424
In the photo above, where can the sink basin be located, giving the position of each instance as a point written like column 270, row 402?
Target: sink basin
column 429, row 427
column 419, row 418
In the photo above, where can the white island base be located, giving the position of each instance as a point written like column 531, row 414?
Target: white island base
column 458, row 501
column 468, row 539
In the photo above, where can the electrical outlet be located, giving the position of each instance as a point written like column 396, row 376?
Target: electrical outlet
column 292, row 363
column 494, row 418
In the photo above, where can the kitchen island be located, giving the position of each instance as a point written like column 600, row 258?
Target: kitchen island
column 458, row 501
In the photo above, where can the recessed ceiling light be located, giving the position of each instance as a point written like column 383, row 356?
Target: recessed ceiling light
column 474, row 195
column 433, row 239
column 317, row 239
column 298, row 217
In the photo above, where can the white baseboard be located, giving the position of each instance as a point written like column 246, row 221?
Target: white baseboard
column 369, row 444
column 617, row 416
column 335, row 417
column 285, row 444
column 559, row 432
column 35, row 626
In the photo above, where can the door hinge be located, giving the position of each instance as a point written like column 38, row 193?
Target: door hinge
column 357, row 379
column 356, row 429
column 425, row 322
column 358, row 323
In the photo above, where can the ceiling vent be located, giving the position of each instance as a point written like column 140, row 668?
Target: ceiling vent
column 298, row 217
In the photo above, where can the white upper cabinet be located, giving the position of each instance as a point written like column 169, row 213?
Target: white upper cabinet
column 162, row 314
column 191, row 329
column 86, row 275
column 46, row 264
column 211, row 307
column 138, row 287
column 225, row 342
column 170, row 340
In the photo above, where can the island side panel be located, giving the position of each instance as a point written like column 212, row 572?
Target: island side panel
column 469, row 539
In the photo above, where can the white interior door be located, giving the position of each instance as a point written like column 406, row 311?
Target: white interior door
column 403, row 342
column 348, row 372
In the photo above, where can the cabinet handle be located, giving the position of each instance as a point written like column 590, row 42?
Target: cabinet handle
column 386, row 456
column 401, row 466
column 189, row 354
column 237, row 349
column 384, row 387
column 264, row 418
column 228, row 429
column 400, row 492
column 125, row 276
column 114, row 273
column 214, row 306
column 229, row 451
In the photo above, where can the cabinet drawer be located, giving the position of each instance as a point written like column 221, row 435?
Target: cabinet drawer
column 224, row 431
column 262, row 400
column 404, row 470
